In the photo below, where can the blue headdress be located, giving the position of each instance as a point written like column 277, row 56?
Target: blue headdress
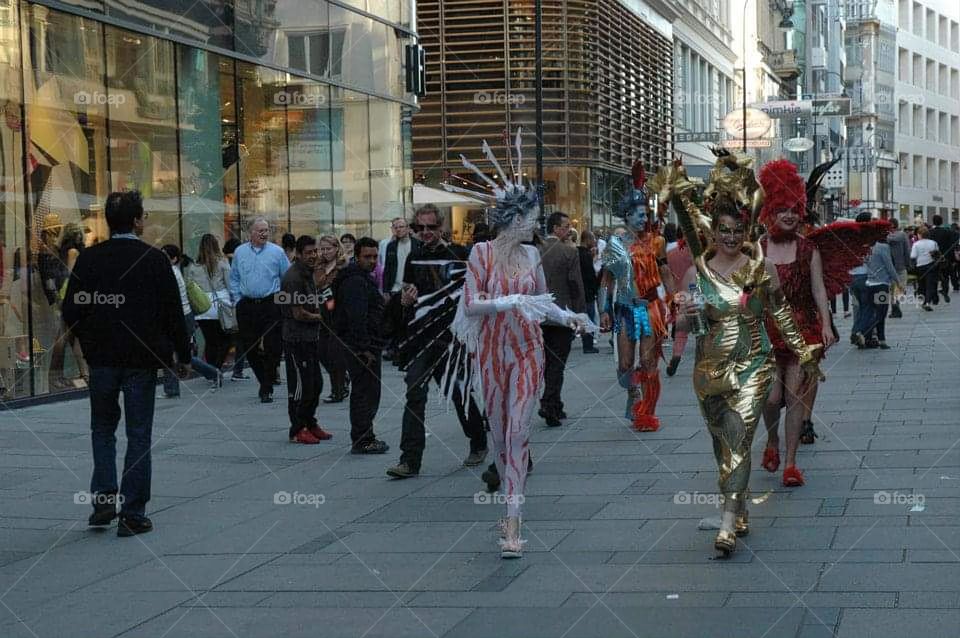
column 506, row 200
column 636, row 191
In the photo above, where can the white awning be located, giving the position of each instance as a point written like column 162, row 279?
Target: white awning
column 426, row 195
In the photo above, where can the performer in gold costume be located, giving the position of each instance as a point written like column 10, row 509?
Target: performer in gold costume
column 734, row 361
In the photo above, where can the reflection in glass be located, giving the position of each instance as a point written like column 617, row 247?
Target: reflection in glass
column 206, row 21
column 66, row 112
column 262, row 146
column 15, row 356
column 386, row 165
column 351, row 161
column 143, row 128
column 309, row 136
column 354, row 54
column 207, row 144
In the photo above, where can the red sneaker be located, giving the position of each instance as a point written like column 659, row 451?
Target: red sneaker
column 319, row 433
column 306, row 437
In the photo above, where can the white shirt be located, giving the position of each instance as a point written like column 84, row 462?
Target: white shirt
column 403, row 251
column 921, row 251
column 184, row 300
column 598, row 262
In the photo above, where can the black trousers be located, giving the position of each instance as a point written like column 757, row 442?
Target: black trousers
column 413, row 437
column 927, row 283
column 216, row 342
column 364, row 397
column 259, row 321
column 304, row 383
column 332, row 358
column 557, row 341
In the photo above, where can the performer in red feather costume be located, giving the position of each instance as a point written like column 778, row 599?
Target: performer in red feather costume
column 811, row 269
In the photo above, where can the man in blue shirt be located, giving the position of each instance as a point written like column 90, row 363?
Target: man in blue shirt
column 258, row 266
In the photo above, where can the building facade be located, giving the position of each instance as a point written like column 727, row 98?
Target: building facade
column 218, row 111
column 928, row 108
column 607, row 89
column 704, row 79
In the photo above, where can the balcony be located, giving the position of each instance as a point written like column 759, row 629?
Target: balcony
column 784, row 64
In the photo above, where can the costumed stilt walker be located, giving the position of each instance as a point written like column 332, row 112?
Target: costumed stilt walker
column 811, row 269
column 733, row 294
column 632, row 302
column 498, row 323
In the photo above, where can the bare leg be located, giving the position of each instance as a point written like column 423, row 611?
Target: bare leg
column 793, row 421
column 771, row 410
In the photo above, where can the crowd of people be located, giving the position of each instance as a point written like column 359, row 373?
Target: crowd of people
column 493, row 323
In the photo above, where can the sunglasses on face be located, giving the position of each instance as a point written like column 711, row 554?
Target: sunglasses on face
column 422, row 227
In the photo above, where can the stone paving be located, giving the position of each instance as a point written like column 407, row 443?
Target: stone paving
column 869, row 547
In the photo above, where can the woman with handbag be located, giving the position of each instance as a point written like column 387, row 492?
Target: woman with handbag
column 330, row 261
column 211, row 273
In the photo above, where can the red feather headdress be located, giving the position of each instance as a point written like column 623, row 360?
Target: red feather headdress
column 782, row 188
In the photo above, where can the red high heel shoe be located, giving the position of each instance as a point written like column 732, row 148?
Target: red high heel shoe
column 792, row 477
column 771, row 459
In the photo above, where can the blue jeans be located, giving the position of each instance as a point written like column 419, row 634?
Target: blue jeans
column 139, row 390
column 858, row 289
column 171, row 384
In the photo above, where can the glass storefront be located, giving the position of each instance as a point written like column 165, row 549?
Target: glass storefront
column 209, row 139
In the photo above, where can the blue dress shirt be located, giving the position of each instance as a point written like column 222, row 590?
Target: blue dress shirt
column 256, row 272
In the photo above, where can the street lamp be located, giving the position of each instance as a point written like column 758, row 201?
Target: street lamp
column 867, row 144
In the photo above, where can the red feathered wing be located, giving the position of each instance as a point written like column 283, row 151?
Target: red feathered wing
column 844, row 245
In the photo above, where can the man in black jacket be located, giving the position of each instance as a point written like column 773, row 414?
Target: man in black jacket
column 397, row 251
column 429, row 269
column 359, row 321
column 946, row 239
column 123, row 304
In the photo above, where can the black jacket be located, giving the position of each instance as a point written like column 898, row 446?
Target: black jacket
column 123, row 304
column 390, row 273
column 359, row 310
column 946, row 239
column 591, row 283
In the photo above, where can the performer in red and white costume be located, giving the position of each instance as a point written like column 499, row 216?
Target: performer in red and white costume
column 504, row 300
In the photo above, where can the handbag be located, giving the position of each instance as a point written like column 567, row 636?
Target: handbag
column 199, row 301
column 228, row 317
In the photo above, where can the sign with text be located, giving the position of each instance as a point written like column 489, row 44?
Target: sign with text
column 763, row 142
column 757, row 123
column 697, row 136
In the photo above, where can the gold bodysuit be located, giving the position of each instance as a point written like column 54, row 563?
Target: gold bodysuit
column 735, row 366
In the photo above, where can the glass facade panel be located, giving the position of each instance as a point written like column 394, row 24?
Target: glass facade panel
column 349, row 124
column 311, row 175
column 208, row 151
column 386, row 165
column 66, row 110
column 16, row 271
column 264, row 183
column 209, row 140
column 143, row 128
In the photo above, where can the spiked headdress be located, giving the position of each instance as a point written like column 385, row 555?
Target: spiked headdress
column 507, row 200
column 637, row 192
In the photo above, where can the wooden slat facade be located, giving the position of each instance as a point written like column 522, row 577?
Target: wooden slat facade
column 607, row 83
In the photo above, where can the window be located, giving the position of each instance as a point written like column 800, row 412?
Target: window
column 317, row 53
column 904, row 170
column 903, row 14
column 903, row 65
column 903, row 119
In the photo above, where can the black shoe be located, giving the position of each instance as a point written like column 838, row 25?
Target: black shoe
column 491, row 477
column 266, row 398
column 103, row 513
column 927, row 307
column 946, row 297
column 133, row 526
column 896, row 313
column 590, row 351
column 872, row 344
column 563, row 415
column 553, row 421
column 370, row 447
column 884, row 346
column 475, row 458
column 672, row 366
column 336, row 397
column 402, row 470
